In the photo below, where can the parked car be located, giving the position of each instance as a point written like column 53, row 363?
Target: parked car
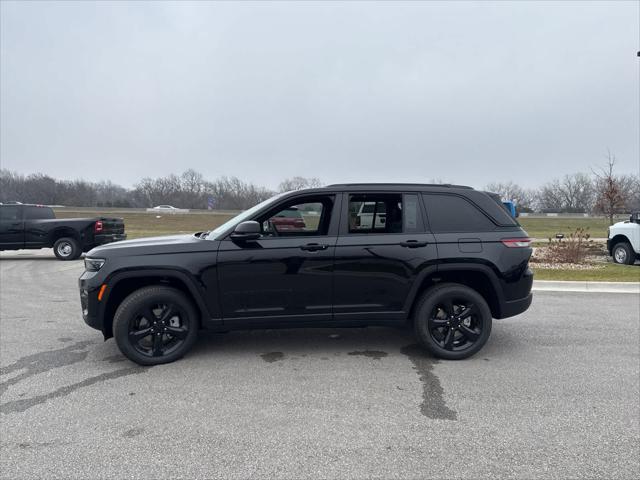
column 446, row 262
column 288, row 220
column 36, row 226
column 623, row 240
column 165, row 208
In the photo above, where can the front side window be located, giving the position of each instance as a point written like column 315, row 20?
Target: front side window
column 301, row 218
column 375, row 213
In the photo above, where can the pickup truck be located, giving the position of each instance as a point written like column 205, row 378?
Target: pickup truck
column 623, row 240
column 36, row 226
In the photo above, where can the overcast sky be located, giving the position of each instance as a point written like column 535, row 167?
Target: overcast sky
column 462, row 92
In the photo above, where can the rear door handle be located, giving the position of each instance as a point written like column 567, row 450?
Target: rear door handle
column 413, row 244
column 313, row 247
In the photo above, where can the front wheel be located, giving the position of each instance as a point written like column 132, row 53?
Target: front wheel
column 155, row 325
column 623, row 254
column 452, row 321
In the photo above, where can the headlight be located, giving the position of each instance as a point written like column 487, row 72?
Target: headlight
column 93, row 264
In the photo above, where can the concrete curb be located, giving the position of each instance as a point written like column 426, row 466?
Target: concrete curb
column 593, row 287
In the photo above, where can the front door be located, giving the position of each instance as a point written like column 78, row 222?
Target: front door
column 287, row 274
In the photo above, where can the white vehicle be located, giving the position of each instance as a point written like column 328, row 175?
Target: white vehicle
column 623, row 242
column 364, row 217
column 167, row 209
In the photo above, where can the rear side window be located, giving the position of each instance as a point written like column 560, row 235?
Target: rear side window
column 9, row 212
column 451, row 213
column 38, row 213
column 375, row 213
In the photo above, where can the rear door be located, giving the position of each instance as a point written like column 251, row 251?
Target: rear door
column 376, row 262
column 11, row 227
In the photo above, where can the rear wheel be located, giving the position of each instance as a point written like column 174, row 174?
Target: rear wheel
column 155, row 325
column 67, row 248
column 623, row 254
column 452, row 321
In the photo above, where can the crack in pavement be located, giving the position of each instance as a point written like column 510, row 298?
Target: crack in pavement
column 27, row 403
column 433, row 403
column 43, row 362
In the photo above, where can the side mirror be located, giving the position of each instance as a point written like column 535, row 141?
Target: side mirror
column 249, row 230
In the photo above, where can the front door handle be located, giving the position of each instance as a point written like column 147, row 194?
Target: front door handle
column 413, row 244
column 313, row 247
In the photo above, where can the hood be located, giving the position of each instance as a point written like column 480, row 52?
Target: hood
column 152, row 246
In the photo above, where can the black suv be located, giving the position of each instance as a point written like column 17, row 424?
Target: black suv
column 443, row 259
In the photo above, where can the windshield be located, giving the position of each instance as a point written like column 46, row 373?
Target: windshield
column 241, row 217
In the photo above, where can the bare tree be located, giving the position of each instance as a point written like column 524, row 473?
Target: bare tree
column 573, row 193
column 299, row 183
column 612, row 191
column 523, row 198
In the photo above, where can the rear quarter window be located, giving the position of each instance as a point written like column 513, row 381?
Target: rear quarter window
column 452, row 213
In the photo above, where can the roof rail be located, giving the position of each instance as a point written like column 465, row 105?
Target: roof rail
column 388, row 184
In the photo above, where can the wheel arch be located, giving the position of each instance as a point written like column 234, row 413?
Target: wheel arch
column 62, row 232
column 619, row 238
column 123, row 284
column 479, row 277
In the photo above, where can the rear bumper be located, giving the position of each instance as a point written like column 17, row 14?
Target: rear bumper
column 516, row 307
column 103, row 238
column 519, row 295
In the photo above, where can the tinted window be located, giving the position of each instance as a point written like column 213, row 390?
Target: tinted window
column 375, row 213
column 33, row 213
column 450, row 213
column 302, row 218
column 9, row 212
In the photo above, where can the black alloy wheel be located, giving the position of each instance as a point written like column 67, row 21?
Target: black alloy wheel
column 156, row 324
column 453, row 321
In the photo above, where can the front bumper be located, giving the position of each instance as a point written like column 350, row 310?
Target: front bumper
column 91, row 308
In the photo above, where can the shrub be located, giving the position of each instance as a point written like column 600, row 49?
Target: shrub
column 573, row 249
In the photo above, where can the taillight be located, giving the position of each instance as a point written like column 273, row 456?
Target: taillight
column 516, row 242
column 98, row 227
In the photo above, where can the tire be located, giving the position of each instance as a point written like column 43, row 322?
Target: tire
column 157, row 311
column 439, row 308
column 67, row 248
column 623, row 254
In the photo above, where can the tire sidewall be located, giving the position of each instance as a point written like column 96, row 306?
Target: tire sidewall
column 428, row 302
column 629, row 257
column 75, row 248
column 133, row 303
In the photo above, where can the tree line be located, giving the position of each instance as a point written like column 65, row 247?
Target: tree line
column 188, row 190
column 602, row 191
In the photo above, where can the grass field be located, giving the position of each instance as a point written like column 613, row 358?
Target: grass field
column 140, row 223
column 545, row 227
column 609, row 273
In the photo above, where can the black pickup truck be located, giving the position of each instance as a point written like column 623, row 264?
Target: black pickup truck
column 36, row 226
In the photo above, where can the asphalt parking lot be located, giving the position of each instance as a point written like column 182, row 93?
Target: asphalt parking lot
column 554, row 394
